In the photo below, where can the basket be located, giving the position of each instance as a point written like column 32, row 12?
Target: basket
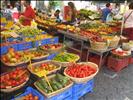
column 46, row 61
column 54, row 50
column 86, row 79
column 7, row 90
column 114, row 42
column 99, row 46
column 55, row 92
column 14, row 88
column 17, row 64
column 65, row 64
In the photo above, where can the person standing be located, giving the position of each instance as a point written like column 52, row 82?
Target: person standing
column 128, row 21
column 105, row 12
column 28, row 14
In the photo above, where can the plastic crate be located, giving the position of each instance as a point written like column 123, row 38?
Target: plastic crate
column 79, row 87
column 44, row 41
column 50, row 57
column 15, row 46
column 53, row 40
column 62, row 96
column 79, row 90
column 33, row 91
column 130, row 60
column 24, row 45
column 3, row 49
column 117, row 64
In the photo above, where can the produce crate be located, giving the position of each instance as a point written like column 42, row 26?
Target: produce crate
column 53, row 40
column 130, row 60
column 78, row 90
column 44, row 42
column 24, row 45
column 117, row 64
column 66, row 95
column 3, row 49
column 50, row 57
column 15, row 46
column 33, row 91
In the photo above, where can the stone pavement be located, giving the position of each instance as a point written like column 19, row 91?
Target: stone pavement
column 117, row 88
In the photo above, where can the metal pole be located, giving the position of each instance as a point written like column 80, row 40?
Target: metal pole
column 122, row 26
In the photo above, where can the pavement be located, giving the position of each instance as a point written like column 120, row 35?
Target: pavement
column 119, row 87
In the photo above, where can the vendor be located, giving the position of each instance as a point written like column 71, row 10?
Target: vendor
column 57, row 15
column 28, row 15
column 128, row 21
column 105, row 12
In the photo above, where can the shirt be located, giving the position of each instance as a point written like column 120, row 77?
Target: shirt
column 29, row 13
column 129, row 20
column 105, row 13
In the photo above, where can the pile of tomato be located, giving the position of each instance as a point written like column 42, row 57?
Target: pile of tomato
column 29, row 97
column 80, row 70
column 11, row 79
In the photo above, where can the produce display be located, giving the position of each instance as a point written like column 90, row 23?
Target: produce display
column 46, row 66
column 80, row 70
column 66, row 57
column 58, row 82
column 36, row 53
column 29, row 96
column 119, row 53
column 84, row 14
column 13, row 78
column 52, row 46
column 13, row 58
column 29, row 31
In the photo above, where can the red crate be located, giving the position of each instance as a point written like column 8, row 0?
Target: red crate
column 117, row 64
column 130, row 60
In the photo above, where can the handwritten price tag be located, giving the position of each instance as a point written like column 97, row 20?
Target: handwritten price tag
column 14, row 34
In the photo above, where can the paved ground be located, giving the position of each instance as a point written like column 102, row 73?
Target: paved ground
column 118, row 88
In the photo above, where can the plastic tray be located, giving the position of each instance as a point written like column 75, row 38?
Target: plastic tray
column 33, row 91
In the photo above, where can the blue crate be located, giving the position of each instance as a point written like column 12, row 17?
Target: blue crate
column 24, row 46
column 62, row 96
column 53, row 40
column 15, row 46
column 35, row 44
column 78, row 87
column 3, row 50
column 44, row 41
column 79, row 90
column 33, row 91
column 50, row 57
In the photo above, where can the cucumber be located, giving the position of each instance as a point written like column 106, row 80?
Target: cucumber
column 46, row 85
column 59, row 85
column 41, row 87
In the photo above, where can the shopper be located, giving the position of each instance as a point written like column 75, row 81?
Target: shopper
column 105, row 12
column 28, row 14
column 72, row 12
column 128, row 21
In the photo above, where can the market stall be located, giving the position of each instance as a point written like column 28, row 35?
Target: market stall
column 36, row 66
